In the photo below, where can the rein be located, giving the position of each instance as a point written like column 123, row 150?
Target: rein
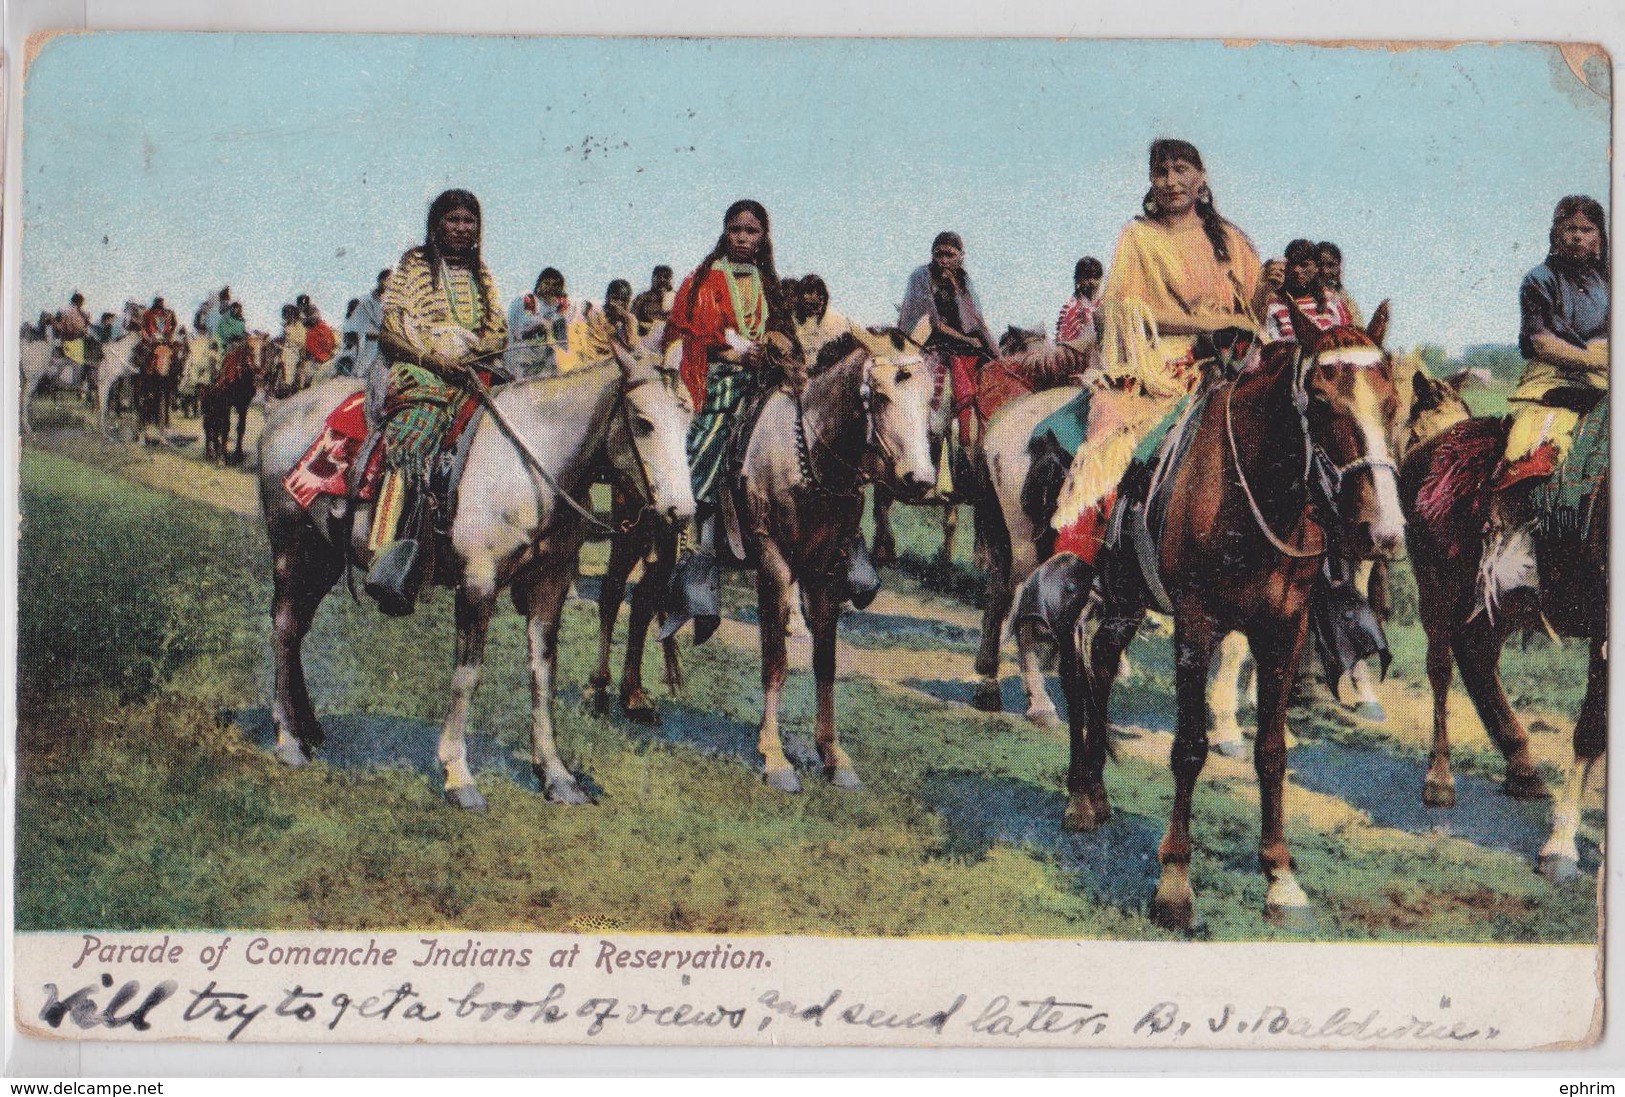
column 1241, row 476
column 809, row 470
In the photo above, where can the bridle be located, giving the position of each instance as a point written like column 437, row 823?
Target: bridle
column 873, row 440
column 1322, row 476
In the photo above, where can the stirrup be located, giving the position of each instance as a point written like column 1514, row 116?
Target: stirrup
column 862, row 579
column 694, row 593
column 1056, row 595
column 395, row 577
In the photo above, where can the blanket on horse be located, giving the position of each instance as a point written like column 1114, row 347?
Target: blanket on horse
column 1037, row 370
column 1565, row 503
column 326, row 467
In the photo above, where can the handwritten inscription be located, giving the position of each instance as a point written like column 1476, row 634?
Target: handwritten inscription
column 233, row 1010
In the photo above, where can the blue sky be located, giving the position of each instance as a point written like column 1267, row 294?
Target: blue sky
column 171, row 163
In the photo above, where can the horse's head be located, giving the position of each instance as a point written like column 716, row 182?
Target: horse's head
column 1344, row 387
column 896, row 391
column 1436, row 406
column 1016, row 340
column 648, row 437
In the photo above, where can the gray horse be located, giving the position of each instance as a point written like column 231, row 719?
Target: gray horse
column 510, row 529
column 118, row 365
column 864, row 414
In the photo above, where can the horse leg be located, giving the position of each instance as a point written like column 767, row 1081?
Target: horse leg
column 1477, row 646
column 884, row 550
column 622, row 559
column 646, row 604
column 824, row 611
column 988, row 697
column 1439, row 787
column 773, row 582
column 944, row 563
column 242, row 425
column 476, row 599
column 1040, row 709
column 304, row 569
column 1224, row 697
column 1276, row 645
column 635, row 700
column 1560, row 857
column 543, row 599
column 1089, row 708
column 1367, row 705
column 1173, row 906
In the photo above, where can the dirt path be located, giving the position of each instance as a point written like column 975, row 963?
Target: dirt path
column 1408, row 703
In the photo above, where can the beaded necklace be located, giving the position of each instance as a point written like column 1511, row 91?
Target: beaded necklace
column 462, row 299
column 751, row 317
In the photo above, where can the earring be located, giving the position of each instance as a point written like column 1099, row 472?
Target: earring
column 1204, row 196
column 1150, row 206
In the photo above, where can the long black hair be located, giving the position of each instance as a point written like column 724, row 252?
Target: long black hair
column 1164, row 149
column 776, row 311
column 1591, row 210
column 448, row 201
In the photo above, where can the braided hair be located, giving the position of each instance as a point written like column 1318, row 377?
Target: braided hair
column 447, row 202
column 1164, row 149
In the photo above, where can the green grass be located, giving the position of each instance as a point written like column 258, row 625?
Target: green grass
column 143, row 804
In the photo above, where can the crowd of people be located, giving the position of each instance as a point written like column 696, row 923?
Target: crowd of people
column 1181, row 277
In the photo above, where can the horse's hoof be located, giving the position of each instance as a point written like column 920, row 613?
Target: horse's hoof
column 1175, row 914
column 640, row 710
column 564, row 791
column 1231, row 748
column 1526, row 786
column 988, row 698
column 843, row 777
column 598, row 701
column 292, row 754
column 1046, row 718
column 466, row 797
column 1081, row 815
column 1559, row 870
column 785, row 780
column 1372, row 711
column 1438, row 794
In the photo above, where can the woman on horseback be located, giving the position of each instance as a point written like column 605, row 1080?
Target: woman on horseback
column 441, row 312
column 959, row 342
column 738, row 336
column 1564, row 336
column 1181, row 273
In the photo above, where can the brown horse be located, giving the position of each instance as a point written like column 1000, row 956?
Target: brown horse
column 1292, row 453
column 233, row 389
column 798, row 501
column 155, row 384
column 1443, row 485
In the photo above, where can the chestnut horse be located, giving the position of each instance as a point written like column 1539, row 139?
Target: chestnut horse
column 1294, row 452
column 1443, row 485
column 233, row 389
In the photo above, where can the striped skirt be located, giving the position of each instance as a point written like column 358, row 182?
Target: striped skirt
column 726, row 389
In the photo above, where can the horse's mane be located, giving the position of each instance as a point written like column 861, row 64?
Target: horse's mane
column 844, row 345
column 1344, row 337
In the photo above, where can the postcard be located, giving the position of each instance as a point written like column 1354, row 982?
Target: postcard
column 754, row 542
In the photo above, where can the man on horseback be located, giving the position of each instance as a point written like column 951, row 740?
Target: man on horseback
column 1564, row 335
column 960, row 341
column 1301, row 286
column 72, row 325
column 441, row 313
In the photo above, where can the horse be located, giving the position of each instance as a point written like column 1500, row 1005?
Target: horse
column 1443, row 487
column 154, row 384
column 232, row 389
column 1292, row 453
column 511, row 528
column 798, row 500
column 119, row 366
column 43, row 363
column 1016, row 348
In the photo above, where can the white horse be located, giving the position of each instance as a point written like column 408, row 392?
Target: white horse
column 118, row 364
column 511, row 528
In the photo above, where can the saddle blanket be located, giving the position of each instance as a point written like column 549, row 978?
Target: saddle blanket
column 325, row 468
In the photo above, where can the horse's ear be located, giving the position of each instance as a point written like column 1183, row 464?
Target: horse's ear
column 1471, row 375
column 1377, row 330
column 921, row 332
column 1424, row 391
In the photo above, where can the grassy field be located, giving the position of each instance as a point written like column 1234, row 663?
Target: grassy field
column 146, row 798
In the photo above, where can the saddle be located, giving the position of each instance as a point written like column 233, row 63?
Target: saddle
column 1566, row 502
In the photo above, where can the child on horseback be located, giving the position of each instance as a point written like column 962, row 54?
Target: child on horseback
column 441, row 311
column 1564, row 335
